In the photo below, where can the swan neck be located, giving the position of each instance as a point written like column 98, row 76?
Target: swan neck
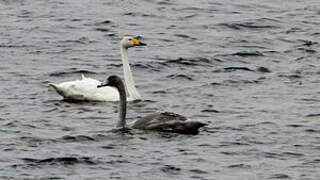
column 122, row 106
column 132, row 91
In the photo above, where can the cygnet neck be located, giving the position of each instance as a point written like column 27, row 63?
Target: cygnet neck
column 122, row 104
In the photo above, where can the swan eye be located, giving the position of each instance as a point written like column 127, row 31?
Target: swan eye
column 130, row 39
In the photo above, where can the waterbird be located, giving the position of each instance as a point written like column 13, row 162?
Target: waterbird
column 165, row 121
column 86, row 88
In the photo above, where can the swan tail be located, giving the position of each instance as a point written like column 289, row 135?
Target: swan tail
column 57, row 89
column 55, row 86
column 195, row 124
column 189, row 127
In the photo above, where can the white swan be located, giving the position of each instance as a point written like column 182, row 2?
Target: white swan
column 86, row 88
column 167, row 121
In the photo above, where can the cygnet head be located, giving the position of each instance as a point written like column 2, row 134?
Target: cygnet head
column 112, row 81
column 128, row 42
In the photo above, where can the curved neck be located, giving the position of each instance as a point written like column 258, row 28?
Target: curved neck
column 122, row 105
column 132, row 91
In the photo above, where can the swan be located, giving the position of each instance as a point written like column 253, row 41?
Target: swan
column 86, row 88
column 166, row 121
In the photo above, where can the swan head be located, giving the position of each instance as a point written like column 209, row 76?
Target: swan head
column 128, row 42
column 112, row 81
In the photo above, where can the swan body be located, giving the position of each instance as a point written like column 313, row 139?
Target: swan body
column 166, row 121
column 86, row 88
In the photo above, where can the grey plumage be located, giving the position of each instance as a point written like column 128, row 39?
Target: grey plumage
column 166, row 121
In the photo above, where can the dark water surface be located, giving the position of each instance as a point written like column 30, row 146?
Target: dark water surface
column 249, row 68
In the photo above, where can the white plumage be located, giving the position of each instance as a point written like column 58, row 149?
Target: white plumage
column 86, row 88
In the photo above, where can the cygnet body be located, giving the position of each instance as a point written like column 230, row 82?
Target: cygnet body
column 166, row 121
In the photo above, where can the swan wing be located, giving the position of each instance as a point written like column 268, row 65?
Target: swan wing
column 157, row 118
column 168, row 122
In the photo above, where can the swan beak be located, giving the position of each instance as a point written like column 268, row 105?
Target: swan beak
column 137, row 42
column 103, row 85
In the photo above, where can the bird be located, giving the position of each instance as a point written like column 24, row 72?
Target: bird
column 86, row 88
column 159, row 121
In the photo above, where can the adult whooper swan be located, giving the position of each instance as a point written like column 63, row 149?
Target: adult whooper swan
column 86, row 88
column 167, row 121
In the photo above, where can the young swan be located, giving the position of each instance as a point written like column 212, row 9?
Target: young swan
column 167, row 121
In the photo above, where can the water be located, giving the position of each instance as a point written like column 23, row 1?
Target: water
column 248, row 68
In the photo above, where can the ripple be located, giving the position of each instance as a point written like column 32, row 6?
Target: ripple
column 210, row 111
column 78, row 138
column 71, row 71
column 102, row 29
column 309, row 43
column 227, row 144
column 254, row 24
column 180, row 76
column 291, row 77
column 139, row 14
column 247, row 53
column 102, row 23
column 231, row 69
column 293, row 154
column 15, row 46
column 198, row 61
column 148, row 66
column 263, row 70
column 283, row 155
column 313, row 162
column 118, row 162
column 313, row 115
column 280, row 176
column 184, row 36
column 198, row 171
column 58, row 161
column 159, row 92
column 312, row 130
column 170, row 169
column 295, row 125
column 244, row 166
column 82, row 40
column 229, row 153
column 307, row 50
column 231, row 82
